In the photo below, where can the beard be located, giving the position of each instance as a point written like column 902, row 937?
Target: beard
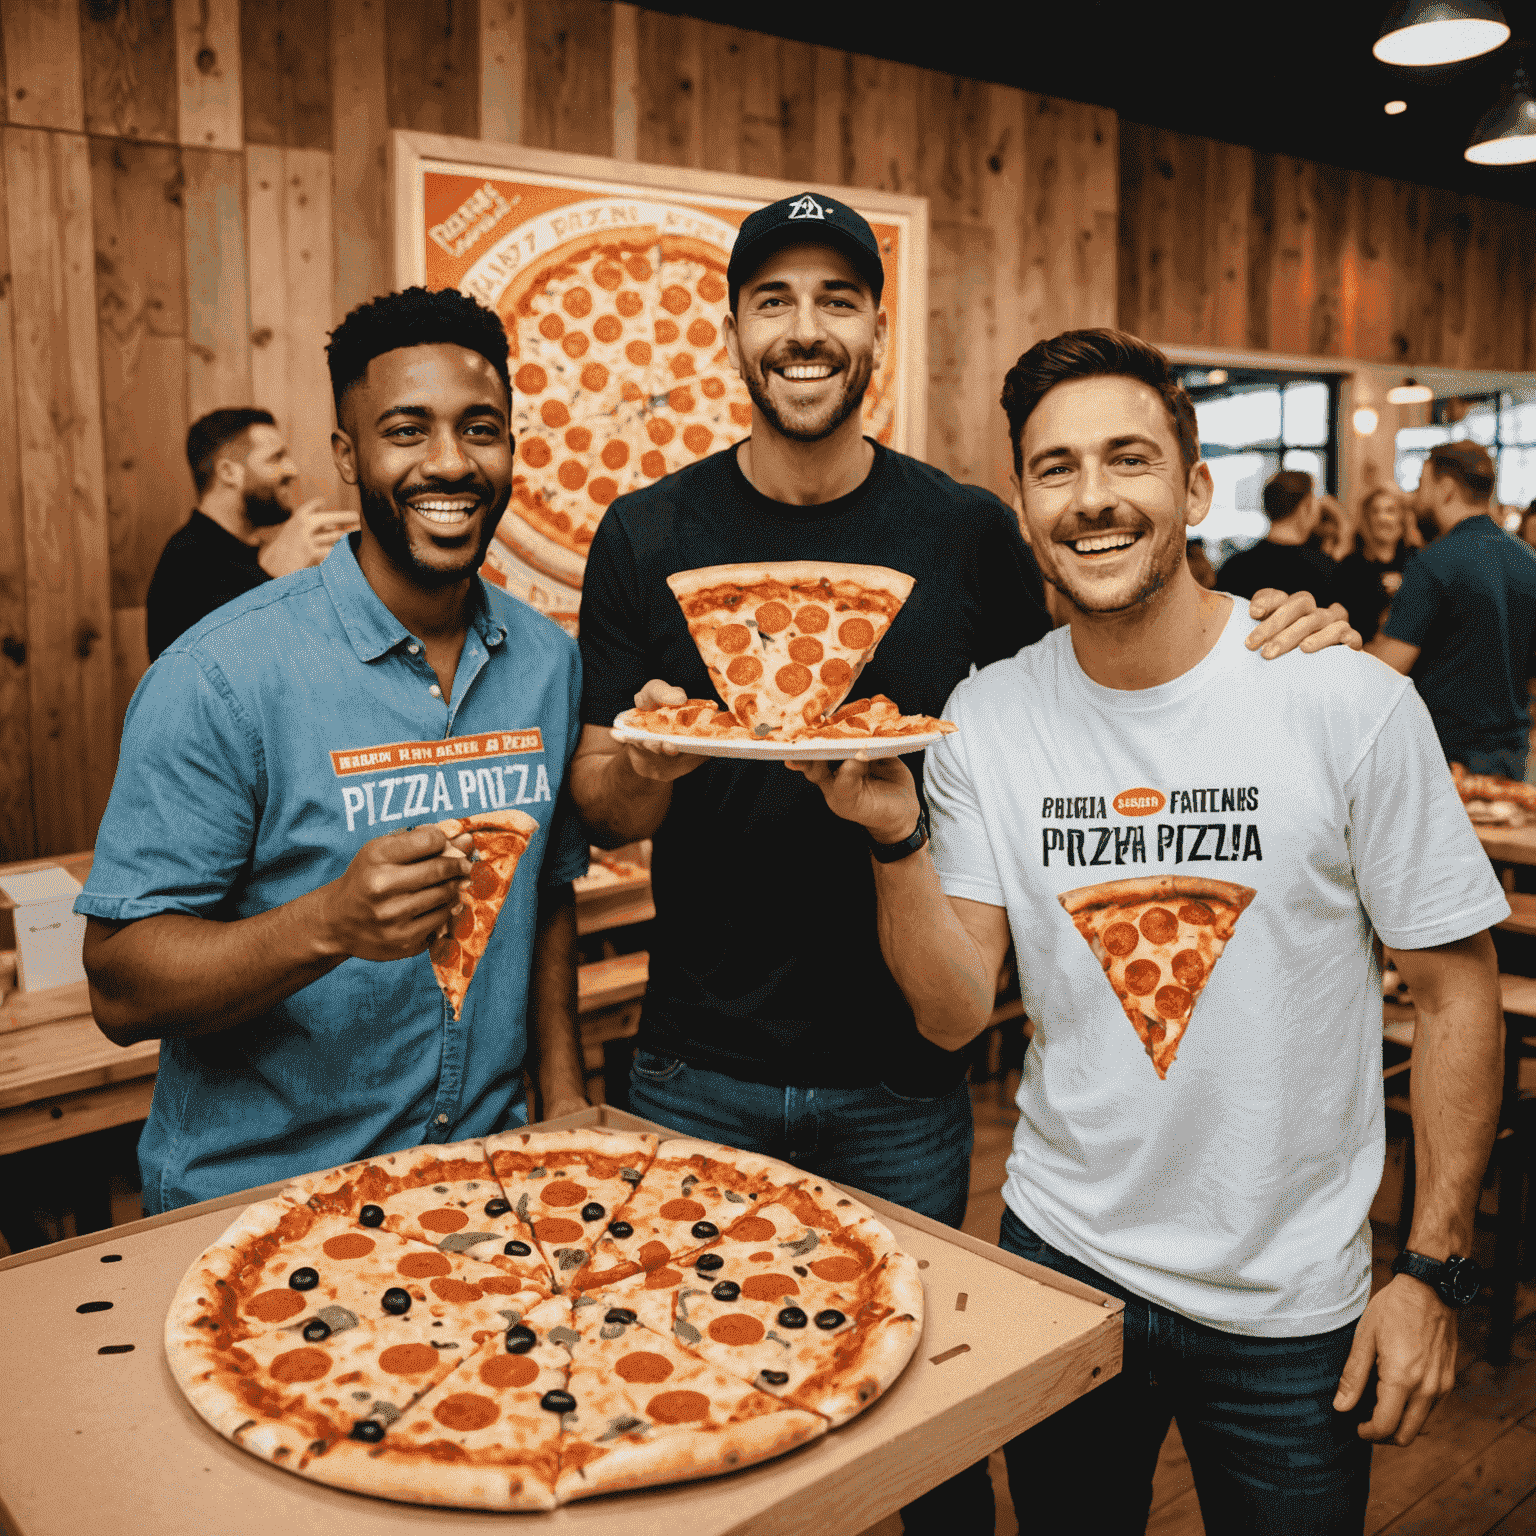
column 387, row 522
column 1164, row 566
column 810, row 428
column 264, row 510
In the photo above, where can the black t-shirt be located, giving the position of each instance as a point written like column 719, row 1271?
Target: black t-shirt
column 765, row 962
column 1363, row 589
column 201, row 568
column 1290, row 567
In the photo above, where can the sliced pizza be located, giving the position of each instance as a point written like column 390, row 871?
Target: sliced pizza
column 640, row 1409
column 783, row 642
column 875, row 717
column 1158, row 938
column 500, row 840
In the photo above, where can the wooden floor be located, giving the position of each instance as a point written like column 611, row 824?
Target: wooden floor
column 1471, row 1473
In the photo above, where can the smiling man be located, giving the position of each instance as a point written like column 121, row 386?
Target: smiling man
column 1189, row 851
column 267, row 877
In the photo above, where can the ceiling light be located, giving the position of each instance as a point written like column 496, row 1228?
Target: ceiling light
column 1365, row 420
column 1418, row 33
column 1216, row 376
column 1410, row 392
column 1394, row 108
column 1507, row 133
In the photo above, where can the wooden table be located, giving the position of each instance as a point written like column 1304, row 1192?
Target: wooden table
column 1508, row 845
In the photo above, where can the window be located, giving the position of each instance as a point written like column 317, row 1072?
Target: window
column 1504, row 424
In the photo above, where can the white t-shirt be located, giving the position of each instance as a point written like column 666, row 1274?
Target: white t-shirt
column 1236, row 1192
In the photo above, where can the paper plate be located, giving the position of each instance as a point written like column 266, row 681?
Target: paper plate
column 779, row 751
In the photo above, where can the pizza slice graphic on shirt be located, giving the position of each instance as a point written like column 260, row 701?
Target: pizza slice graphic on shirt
column 501, row 838
column 1158, row 939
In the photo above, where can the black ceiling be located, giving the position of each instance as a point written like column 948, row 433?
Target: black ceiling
column 1292, row 76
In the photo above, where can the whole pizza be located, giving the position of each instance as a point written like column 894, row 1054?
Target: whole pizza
column 540, row 1316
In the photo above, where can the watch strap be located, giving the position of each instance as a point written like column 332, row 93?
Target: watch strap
column 1455, row 1280
column 890, row 853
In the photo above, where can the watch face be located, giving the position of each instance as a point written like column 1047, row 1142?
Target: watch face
column 1462, row 1282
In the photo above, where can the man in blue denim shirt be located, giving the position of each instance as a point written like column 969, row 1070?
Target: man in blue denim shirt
column 268, row 876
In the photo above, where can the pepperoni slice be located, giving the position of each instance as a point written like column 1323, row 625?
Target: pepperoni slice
column 594, row 377
column 608, row 275
column 644, row 1366
column 678, row 1407
column 838, row 1269
column 772, row 617
column 422, row 1266
column 812, row 619
column 744, row 671
column 445, row 1218
column 710, row 288
column 456, row 1292
column 275, row 1306
column 557, row 1229
column 572, row 474
column 1188, row 968
column 753, row 1229
column 665, row 332
column 1159, row 925
column 836, row 673
column 804, row 649
column 682, row 1210
column 466, row 923
column 697, row 439
column 445, row 953
column 578, row 439
column 675, row 300
column 607, row 329
column 682, row 365
column 563, row 1192
column 300, row 1365
column 638, row 268
column 653, row 1254
column 639, row 353
column 1121, row 938
column 663, row 1279
column 508, row 1371
column 603, row 490
column 856, row 634
column 736, row 1328
column 793, row 679
column 554, row 415
column 348, row 1245
column 536, row 453
column 1173, row 1002
column 615, row 454
column 1141, row 976
column 660, row 431
column 741, row 414
column 465, row 1411
column 1196, row 914
column 653, row 464
column 681, row 400
column 768, row 1287
column 733, row 638
column 629, row 303
column 530, row 379
column 575, row 344
column 713, row 388
column 408, row 1359
column 552, row 327
column 577, row 302
column 701, row 334
column 628, row 389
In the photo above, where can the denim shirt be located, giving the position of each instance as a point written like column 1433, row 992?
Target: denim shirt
column 260, row 753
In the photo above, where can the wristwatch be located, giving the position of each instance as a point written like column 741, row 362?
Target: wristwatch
column 889, row 853
column 1457, row 1281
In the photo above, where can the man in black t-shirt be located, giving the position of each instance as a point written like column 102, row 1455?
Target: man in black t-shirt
column 771, row 1020
column 245, row 528
column 1282, row 558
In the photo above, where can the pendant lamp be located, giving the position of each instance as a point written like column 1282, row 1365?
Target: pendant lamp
column 1410, row 392
column 1420, row 33
column 1507, row 133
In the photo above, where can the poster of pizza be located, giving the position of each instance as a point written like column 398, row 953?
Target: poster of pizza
column 610, row 278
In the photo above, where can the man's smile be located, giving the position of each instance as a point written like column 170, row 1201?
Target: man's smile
column 447, row 512
column 1102, row 543
column 805, row 373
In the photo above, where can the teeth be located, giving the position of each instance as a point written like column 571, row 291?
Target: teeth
column 808, row 371
column 444, row 511
column 1100, row 541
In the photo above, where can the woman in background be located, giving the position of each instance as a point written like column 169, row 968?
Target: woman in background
column 1372, row 571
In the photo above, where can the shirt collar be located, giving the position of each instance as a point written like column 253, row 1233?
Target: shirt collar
column 371, row 627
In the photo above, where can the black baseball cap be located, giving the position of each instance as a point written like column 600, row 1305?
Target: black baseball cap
column 809, row 219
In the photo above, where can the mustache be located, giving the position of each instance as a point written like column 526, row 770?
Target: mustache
column 789, row 353
column 426, row 492
column 1093, row 530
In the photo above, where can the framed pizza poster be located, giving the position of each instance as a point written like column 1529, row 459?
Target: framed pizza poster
column 610, row 279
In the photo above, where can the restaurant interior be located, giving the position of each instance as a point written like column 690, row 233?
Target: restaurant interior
column 1335, row 243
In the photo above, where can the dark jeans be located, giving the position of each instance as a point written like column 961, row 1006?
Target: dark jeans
column 913, row 1152
column 1269, row 1455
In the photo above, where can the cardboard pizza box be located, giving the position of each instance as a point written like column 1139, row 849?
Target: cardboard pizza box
column 100, row 1438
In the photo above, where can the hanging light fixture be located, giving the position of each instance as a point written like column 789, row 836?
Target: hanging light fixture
column 1410, row 392
column 1507, row 133
column 1420, row 33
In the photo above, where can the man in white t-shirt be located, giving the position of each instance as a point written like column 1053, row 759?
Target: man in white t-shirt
column 1201, row 1127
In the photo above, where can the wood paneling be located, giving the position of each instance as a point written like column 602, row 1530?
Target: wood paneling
column 128, row 68
column 671, row 126
column 626, row 81
column 432, row 48
column 359, row 162
column 218, row 314
column 42, row 63
column 208, row 73
column 58, row 404
column 286, row 72
column 568, row 84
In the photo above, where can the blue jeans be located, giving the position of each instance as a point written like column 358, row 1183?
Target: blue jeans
column 913, row 1152
column 1270, row 1456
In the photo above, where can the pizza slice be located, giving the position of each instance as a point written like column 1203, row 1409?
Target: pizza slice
column 568, row 1186
column 481, row 1437
column 1158, row 939
column 500, row 840
column 447, row 1196
column 874, row 717
column 641, row 1409
column 784, row 642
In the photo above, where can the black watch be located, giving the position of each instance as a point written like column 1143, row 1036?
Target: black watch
column 1457, row 1281
column 889, row 853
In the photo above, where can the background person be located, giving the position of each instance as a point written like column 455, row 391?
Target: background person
column 1283, row 558
column 1371, row 573
column 245, row 528
column 267, row 878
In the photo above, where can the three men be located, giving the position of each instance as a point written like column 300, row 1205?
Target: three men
column 255, row 901
column 1223, row 1193
column 245, row 529
column 1463, row 623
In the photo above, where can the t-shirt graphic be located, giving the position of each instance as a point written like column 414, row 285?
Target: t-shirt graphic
column 1158, row 939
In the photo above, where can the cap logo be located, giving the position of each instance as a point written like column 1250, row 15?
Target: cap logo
column 806, row 208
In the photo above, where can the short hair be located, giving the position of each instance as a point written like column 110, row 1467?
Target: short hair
column 1094, row 353
column 414, row 317
column 209, row 435
column 1284, row 492
column 1468, row 464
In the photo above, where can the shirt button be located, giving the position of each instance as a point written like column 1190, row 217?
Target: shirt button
column 413, row 649
column 442, row 1119
column 435, row 691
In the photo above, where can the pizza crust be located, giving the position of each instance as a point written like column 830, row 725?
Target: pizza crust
column 894, row 584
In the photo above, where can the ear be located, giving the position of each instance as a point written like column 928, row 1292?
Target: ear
column 732, row 340
column 882, row 333
column 345, row 455
column 230, row 472
column 1199, row 493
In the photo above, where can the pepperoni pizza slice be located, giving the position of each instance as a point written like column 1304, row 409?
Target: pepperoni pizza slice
column 500, row 840
column 784, row 642
column 1158, row 939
